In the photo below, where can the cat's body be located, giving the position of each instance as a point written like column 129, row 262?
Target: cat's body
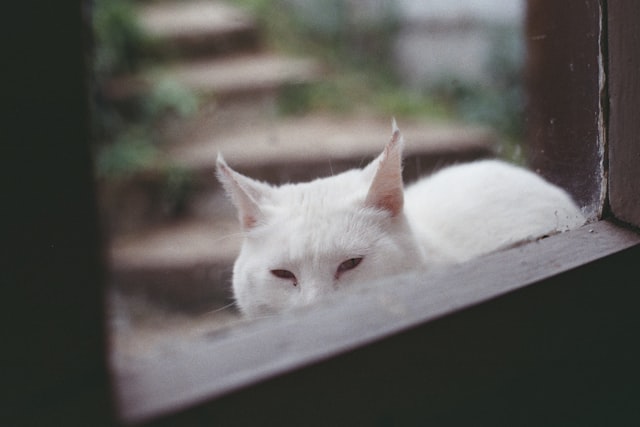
column 484, row 206
column 306, row 240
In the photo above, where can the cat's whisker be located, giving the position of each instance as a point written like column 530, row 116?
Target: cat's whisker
column 228, row 236
column 219, row 309
column 362, row 162
column 263, row 317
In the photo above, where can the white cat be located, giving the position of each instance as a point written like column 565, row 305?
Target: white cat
column 302, row 241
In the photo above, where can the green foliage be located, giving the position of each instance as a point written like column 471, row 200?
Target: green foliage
column 352, row 45
column 130, row 152
column 341, row 93
column 499, row 108
column 400, row 102
column 118, row 37
column 500, row 103
column 335, row 31
column 129, row 143
column 169, row 96
column 357, row 50
column 177, row 187
column 125, row 134
column 353, row 92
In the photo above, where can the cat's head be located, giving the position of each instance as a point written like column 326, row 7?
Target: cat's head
column 303, row 241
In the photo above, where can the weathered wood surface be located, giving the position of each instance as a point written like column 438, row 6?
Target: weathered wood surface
column 565, row 79
column 193, row 371
column 624, row 110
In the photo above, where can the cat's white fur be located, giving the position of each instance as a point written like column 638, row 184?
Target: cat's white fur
column 308, row 230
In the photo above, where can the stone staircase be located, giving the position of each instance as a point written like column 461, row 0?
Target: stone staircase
column 184, row 260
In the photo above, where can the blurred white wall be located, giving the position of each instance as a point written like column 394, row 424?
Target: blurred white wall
column 452, row 39
column 490, row 11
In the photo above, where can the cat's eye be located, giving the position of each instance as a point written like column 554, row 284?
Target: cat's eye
column 349, row 264
column 286, row 275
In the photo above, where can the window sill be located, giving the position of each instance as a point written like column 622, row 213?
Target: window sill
column 210, row 367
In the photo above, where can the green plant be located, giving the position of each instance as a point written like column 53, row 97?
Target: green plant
column 351, row 92
column 118, row 38
column 124, row 134
column 498, row 103
column 177, row 186
column 352, row 44
column 128, row 153
column 168, row 96
column 357, row 51
column 131, row 143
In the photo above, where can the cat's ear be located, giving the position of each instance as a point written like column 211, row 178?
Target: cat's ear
column 245, row 193
column 386, row 190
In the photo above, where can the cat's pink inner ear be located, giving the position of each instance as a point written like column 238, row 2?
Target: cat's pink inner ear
column 386, row 190
column 244, row 192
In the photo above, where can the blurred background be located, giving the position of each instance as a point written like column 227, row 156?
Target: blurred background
column 287, row 90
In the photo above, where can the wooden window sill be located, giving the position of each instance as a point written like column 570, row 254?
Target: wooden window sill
column 206, row 368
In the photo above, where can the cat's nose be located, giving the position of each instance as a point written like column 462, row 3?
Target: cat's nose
column 311, row 292
column 309, row 296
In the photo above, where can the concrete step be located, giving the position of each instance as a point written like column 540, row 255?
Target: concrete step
column 278, row 151
column 183, row 265
column 325, row 139
column 198, row 28
column 223, row 77
column 302, row 149
column 246, row 74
